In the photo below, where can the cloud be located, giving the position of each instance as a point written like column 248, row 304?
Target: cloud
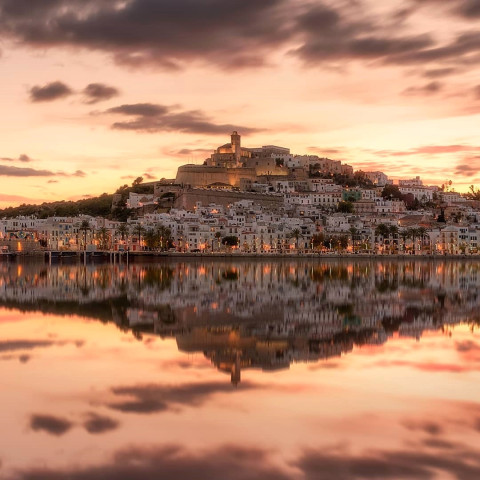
column 468, row 166
column 427, row 150
column 228, row 462
column 240, row 33
column 428, row 89
column 96, row 424
column 14, row 345
column 159, row 398
column 149, row 176
column 154, row 118
column 393, row 464
column 49, row 92
column 430, row 427
column 234, row 34
column 8, row 171
column 476, row 91
column 50, row 424
column 24, row 172
column 439, row 72
column 22, row 158
column 98, row 92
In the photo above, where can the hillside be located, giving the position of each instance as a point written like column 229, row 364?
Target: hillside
column 95, row 206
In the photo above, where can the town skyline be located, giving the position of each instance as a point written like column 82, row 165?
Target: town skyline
column 88, row 108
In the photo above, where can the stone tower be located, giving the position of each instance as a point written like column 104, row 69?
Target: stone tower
column 236, row 148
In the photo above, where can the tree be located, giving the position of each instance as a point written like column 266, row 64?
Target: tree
column 383, row 232
column 392, row 191
column 122, row 230
column 137, row 181
column 103, row 237
column 474, row 193
column 318, row 240
column 165, row 237
column 345, row 207
column 296, row 234
column 138, row 230
column 151, row 239
column 218, row 236
column 353, row 233
column 84, row 227
column 230, row 241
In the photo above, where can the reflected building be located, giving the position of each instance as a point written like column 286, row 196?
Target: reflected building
column 260, row 314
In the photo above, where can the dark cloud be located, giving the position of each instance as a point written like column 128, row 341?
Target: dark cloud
column 192, row 151
column 50, row 424
column 154, row 118
column 428, row 150
column 159, row 398
column 469, row 9
column 430, row 427
column 468, row 166
column 14, row 345
column 98, row 92
column 167, row 33
column 21, row 358
column 428, row 89
column 439, row 72
column 49, row 92
column 24, row 172
column 238, row 33
column 149, row 176
column 22, row 158
column 96, row 424
column 467, row 346
column 7, row 171
column 171, row 462
column 395, row 464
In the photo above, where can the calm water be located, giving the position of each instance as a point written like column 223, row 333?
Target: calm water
column 240, row 370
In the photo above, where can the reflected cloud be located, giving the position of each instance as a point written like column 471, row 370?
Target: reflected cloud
column 228, row 462
column 384, row 464
column 159, row 398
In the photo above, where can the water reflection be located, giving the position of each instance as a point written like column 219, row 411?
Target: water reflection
column 263, row 314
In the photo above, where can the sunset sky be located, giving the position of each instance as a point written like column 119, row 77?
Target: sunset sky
column 98, row 92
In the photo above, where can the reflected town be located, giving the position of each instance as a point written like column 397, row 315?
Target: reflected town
column 240, row 369
column 261, row 314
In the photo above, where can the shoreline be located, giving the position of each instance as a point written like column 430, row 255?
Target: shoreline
column 114, row 257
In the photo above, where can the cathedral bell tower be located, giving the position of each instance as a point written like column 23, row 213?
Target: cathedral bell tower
column 236, row 148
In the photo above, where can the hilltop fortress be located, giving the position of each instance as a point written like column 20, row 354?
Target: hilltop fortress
column 231, row 164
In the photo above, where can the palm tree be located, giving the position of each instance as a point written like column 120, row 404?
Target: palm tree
column 103, row 237
column 122, row 230
column 218, row 236
column 151, row 239
column 164, row 236
column 422, row 233
column 392, row 233
column 296, row 234
column 405, row 234
column 353, row 233
column 138, row 230
column 85, row 226
column 382, row 231
column 414, row 232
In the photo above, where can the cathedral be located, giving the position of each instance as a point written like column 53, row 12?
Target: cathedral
column 231, row 163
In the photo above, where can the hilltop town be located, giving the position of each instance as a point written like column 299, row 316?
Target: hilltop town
column 264, row 200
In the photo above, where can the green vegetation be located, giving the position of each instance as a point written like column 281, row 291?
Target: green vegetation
column 100, row 206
